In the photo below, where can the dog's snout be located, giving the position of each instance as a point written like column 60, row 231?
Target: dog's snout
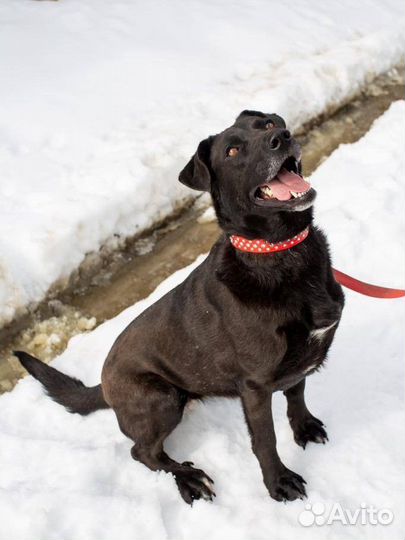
column 278, row 137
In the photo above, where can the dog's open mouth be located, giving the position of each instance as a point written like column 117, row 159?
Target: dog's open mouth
column 287, row 184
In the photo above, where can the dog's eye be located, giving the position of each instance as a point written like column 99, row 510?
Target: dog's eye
column 232, row 151
column 269, row 125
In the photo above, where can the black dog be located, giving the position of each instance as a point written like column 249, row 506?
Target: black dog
column 241, row 325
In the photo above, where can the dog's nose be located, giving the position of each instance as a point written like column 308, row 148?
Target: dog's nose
column 278, row 137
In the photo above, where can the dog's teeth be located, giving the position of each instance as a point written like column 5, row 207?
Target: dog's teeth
column 295, row 194
column 267, row 191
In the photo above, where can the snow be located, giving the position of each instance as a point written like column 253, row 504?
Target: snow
column 377, row 166
column 65, row 476
column 103, row 102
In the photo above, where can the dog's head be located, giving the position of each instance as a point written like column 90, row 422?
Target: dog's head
column 253, row 172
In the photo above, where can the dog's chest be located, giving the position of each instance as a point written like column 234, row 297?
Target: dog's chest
column 306, row 352
column 321, row 333
column 308, row 339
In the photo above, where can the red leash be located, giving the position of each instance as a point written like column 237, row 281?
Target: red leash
column 366, row 288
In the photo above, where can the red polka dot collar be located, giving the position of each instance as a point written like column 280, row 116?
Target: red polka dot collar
column 263, row 246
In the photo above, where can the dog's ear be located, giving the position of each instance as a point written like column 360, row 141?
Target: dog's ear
column 258, row 114
column 250, row 113
column 196, row 174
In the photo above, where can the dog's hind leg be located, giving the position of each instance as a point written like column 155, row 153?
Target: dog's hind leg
column 305, row 426
column 147, row 413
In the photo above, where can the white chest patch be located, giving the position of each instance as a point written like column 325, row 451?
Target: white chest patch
column 319, row 333
column 310, row 368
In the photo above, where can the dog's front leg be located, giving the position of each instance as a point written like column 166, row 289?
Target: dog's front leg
column 305, row 426
column 283, row 484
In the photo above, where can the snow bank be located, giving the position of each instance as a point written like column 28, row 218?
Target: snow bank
column 103, row 102
column 68, row 477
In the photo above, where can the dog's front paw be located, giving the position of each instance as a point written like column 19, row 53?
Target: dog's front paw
column 309, row 429
column 288, row 486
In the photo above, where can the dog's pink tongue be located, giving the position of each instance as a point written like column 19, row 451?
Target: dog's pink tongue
column 285, row 182
column 279, row 190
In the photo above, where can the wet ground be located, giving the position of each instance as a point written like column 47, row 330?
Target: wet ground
column 115, row 281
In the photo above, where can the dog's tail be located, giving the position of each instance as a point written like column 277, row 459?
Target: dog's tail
column 68, row 391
